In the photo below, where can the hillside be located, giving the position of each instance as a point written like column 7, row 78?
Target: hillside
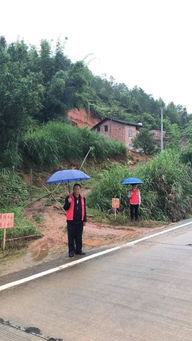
column 46, row 101
column 39, row 86
column 50, row 220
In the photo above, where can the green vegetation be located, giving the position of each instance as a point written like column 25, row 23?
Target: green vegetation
column 37, row 89
column 109, row 187
column 38, row 218
column 14, row 195
column 56, row 142
column 13, row 190
column 186, row 155
column 121, row 219
column 167, row 187
column 166, row 192
column 39, row 86
column 23, row 227
column 145, row 142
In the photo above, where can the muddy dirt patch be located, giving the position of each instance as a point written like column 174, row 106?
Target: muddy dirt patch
column 51, row 221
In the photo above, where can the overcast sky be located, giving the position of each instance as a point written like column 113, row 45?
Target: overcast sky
column 139, row 42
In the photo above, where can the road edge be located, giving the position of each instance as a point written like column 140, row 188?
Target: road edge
column 86, row 258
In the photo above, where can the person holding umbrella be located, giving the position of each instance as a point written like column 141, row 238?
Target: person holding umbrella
column 75, row 207
column 134, row 196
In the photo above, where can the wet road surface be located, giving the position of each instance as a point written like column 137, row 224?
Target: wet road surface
column 140, row 293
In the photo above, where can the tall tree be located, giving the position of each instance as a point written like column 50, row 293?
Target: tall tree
column 145, row 142
column 61, row 62
column 78, row 91
column 56, row 105
column 20, row 96
column 46, row 61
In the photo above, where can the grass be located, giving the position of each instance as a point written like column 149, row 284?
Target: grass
column 122, row 219
column 38, row 218
column 166, row 192
column 22, row 227
column 51, row 144
column 13, row 190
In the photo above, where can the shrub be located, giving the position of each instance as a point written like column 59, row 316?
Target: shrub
column 108, row 188
column 103, row 147
column 56, row 142
column 186, row 155
column 166, row 192
column 13, row 190
column 24, row 227
column 145, row 141
column 167, row 187
column 51, row 144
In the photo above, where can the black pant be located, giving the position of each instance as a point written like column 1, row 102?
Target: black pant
column 134, row 210
column 75, row 232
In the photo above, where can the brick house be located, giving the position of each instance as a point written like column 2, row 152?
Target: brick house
column 118, row 130
column 157, row 136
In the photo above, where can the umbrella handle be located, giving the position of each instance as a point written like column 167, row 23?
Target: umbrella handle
column 68, row 185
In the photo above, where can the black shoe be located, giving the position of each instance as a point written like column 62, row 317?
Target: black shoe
column 71, row 254
column 81, row 253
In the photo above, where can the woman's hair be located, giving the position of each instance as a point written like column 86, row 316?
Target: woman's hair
column 76, row 185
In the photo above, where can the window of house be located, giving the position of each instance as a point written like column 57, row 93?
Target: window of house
column 105, row 128
column 130, row 133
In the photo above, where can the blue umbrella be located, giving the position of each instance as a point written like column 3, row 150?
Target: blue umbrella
column 131, row 181
column 67, row 176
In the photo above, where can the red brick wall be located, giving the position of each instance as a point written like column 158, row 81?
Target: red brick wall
column 157, row 134
column 130, row 134
column 115, row 130
column 120, row 132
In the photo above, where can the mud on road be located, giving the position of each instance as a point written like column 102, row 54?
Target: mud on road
column 53, row 244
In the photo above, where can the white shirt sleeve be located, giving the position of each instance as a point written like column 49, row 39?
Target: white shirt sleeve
column 129, row 195
column 139, row 198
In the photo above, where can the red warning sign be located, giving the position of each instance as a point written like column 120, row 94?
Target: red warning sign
column 6, row 220
column 115, row 202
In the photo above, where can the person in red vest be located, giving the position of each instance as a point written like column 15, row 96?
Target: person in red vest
column 75, row 208
column 134, row 201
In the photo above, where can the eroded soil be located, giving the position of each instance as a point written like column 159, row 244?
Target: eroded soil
column 53, row 244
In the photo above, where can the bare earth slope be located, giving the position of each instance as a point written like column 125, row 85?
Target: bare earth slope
column 53, row 244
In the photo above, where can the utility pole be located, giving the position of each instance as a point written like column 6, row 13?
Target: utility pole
column 161, row 129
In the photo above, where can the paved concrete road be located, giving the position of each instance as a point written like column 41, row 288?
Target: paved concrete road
column 8, row 333
column 141, row 293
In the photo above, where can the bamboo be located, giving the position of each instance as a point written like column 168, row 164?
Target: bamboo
column 91, row 148
column 43, row 196
column 25, row 237
column 51, row 194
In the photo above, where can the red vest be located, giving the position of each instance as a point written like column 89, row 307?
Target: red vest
column 134, row 200
column 70, row 211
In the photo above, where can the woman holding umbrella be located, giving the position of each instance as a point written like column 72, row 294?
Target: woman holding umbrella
column 134, row 196
column 75, row 208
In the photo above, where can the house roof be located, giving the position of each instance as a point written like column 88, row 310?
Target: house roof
column 118, row 121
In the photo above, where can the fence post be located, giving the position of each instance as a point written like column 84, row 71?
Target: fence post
column 4, row 238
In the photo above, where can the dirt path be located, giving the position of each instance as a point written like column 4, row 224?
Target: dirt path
column 54, row 241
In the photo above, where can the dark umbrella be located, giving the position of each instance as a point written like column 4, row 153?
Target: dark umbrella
column 67, row 176
column 131, row 181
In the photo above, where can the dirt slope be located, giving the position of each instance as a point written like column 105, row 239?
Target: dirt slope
column 53, row 244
